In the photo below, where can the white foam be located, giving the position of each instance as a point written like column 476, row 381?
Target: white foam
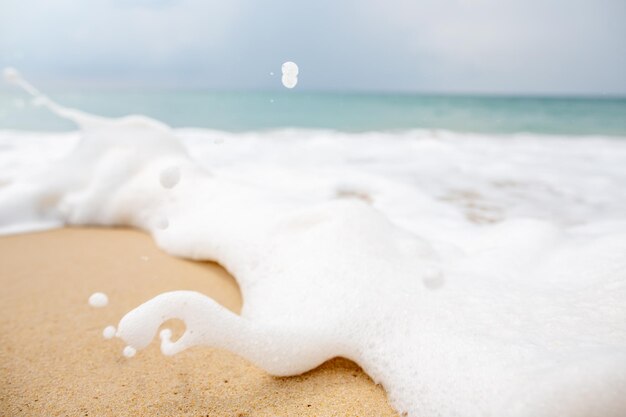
column 433, row 278
column 162, row 223
column 469, row 275
column 98, row 300
column 109, row 332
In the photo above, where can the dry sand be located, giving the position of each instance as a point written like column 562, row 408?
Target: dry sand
column 55, row 362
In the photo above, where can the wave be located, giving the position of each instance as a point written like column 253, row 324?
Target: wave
column 468, row 274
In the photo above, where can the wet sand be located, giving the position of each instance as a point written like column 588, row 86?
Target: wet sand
column 55, row 362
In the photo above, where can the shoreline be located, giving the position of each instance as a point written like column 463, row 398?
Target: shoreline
column 54, row 360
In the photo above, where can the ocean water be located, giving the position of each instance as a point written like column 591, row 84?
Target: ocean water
column 345, row 112
column 471, row 274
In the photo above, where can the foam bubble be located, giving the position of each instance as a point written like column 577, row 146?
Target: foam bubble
column 98, row 300
column 129, row 351
column 170, row 177
column 109, row 332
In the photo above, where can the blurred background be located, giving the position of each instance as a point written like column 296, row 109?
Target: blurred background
column 543, row 66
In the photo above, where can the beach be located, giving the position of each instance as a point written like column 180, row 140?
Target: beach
column 467, row 274
column 251, row 209
column 54, row 360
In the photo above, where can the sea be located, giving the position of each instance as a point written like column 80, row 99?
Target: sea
column 349, row 112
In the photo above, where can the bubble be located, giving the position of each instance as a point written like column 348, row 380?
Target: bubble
column 109, row 332
column 98, row 299
column 170, row 177
column 129, row 351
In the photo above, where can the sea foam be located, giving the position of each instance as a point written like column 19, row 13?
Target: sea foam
column 469, row 275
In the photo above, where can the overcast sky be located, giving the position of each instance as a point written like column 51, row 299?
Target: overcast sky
column 485, row 46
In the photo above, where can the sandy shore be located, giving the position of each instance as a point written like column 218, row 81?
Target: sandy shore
column 54, row 360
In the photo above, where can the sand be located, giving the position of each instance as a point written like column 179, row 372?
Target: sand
column 54, row 360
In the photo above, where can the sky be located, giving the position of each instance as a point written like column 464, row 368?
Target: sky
column 548, row 47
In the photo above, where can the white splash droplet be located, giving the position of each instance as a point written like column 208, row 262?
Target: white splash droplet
column 98, row 299
column 290, row 74
column 129, row 351
column 170, row 177
column 290, row 68
column 109, row 332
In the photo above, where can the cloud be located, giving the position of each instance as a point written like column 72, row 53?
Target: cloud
column 119, row 36
column 528, row 46
column 515, row 45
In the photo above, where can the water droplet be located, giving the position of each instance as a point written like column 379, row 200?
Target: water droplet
column 98, row 299
column 289, row 81
column 290, row 74
column 109, row 332
column 129, row 351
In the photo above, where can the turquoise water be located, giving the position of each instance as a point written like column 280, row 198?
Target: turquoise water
column 348, row 112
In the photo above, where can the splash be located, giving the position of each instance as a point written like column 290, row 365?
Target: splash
column 109, row 332
column 98, row 300
column 129, row 351
column 290, row 74
column 341, row 249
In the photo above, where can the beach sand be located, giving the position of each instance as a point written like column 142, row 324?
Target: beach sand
column 55, row 362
